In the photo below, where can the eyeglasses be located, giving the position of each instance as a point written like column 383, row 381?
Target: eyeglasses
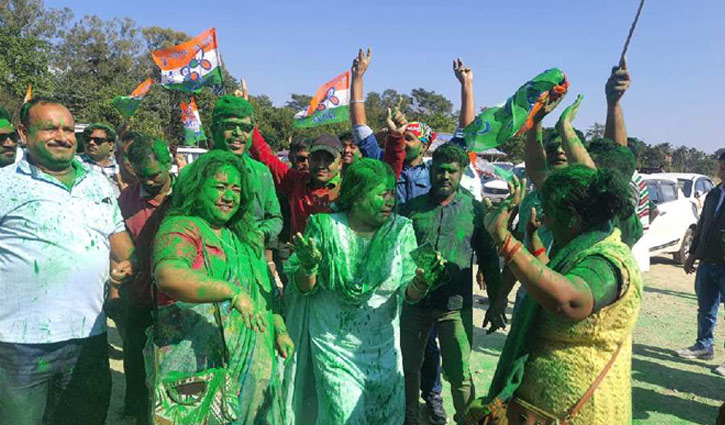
column 302, row 158
column 98, row 140
column 11, row 136
column 231, row 126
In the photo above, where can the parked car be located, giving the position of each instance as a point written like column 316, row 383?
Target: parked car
column 495, row 188
column 671, row 231
column 693, row 186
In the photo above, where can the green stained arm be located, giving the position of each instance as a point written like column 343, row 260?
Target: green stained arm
column 535, row 156
column 575, row 151
column 569, row 297
column 271, row 224
column 305, row 283
column 176, row 279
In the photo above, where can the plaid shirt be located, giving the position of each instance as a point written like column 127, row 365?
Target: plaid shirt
column 111, row 170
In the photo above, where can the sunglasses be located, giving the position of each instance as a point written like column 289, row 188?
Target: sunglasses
column 302, row 158
column 231, row 126
column 11, row 136
column 98, row 140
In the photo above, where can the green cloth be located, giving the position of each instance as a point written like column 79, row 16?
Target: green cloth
column 533, row 200
column 631, row 228
column 266, row 208
column 456, row 231
column 347, row 366
column 232, row 106
column 497, row 124
column 126, row 105
column 186, row 334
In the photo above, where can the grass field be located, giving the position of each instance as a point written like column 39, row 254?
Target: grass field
column 666, row 390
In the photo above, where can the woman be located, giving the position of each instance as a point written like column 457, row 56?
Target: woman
column 568, row 355
column 350, row 273
column 207, row 253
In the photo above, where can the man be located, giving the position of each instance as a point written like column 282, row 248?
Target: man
column 143, row 206
column 299, row 154
column 59, row 226
column 308, row 192
column 232, row 125
column 707, row 246
column 350, row 151
column 451, row 220
column 127, row 176
column 99, row 142
column 8, row 139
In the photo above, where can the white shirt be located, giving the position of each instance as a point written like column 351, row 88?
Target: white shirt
column 54, row 254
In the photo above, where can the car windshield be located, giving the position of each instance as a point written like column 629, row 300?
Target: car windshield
column 669, row 192
column 506, row 166
column 686, row 186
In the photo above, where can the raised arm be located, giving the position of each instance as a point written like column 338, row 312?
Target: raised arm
column 357, row 101
column 395, row 143
column 617, row 84
column 468, row 105
column 534, row 153
column 576, row 153
column 261, row 151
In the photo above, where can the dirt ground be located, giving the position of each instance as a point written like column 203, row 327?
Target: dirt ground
column 666, row 390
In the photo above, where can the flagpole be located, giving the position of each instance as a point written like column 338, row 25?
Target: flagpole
column 631, row 32
column 221, row 63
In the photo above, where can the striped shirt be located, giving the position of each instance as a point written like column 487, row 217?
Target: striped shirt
column 639, row 186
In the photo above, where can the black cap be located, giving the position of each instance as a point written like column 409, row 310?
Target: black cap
column 328, row 143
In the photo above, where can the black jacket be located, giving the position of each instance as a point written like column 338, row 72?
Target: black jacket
column 706, row 224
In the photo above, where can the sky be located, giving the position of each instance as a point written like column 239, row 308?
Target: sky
column 676, row 58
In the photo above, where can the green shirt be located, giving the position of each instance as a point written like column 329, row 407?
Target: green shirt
column 266, row 211
column 456, row 231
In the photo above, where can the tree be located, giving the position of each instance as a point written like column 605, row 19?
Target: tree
column 596, row 131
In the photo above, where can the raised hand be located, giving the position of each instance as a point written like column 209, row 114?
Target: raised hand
column 496, row 220
column 463, row 73
column 618, row 83
column 567, row 117
column 307, row 252
column 396, row 120
column 244, row 92
column 551, row 103
column 361, row 62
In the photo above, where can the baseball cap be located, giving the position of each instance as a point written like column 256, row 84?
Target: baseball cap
column 328, row 143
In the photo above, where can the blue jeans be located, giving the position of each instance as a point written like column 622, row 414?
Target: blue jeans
column 430, row 372
column 710, row 290
column 66, row 382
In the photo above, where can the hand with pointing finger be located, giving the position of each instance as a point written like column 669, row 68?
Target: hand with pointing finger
column 618, row 83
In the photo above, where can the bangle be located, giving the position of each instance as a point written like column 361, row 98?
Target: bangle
column 515, row 250
column 538, row 252
column 357, row 101
column 505, row 244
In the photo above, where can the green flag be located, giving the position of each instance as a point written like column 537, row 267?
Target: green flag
column 127, row 105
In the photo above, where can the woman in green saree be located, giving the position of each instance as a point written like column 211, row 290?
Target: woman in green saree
column 209, row 265
column 575, row 324
column 349, row 275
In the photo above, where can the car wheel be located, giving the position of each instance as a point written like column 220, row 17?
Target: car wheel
column 681, row 255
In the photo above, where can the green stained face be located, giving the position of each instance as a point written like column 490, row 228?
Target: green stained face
column 98, row 146
column 234, row 134
column 376, row 206
column 413, row 147
column 445, row 178
column 220, row 196
column 153, row 175
column 324, row 166
column 555, row 155
column 8, row 145
column 50, row 138
column 562, row 224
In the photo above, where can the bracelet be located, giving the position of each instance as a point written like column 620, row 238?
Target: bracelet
column 505, row 244
column 538, row 252
column 357, row 101
column 515, row 250
column 235, row 297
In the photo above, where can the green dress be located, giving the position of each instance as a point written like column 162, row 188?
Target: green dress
column 347, row 368
column 188, row 338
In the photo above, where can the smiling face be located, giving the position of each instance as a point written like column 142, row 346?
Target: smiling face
column 375, row 207
column 234, row 134
column 220, row 196
column 50, row 136
column 8, row 145
column 324, row 166
column 445, row 177
column 350, row 152
column 98, row 146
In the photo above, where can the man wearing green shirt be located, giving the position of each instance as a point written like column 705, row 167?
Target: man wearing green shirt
column 451, row 220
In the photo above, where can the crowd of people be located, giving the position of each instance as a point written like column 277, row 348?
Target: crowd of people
column 332, row 288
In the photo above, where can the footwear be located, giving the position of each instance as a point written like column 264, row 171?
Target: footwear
column 720, row 370
column 437, row 415
column 697, row 352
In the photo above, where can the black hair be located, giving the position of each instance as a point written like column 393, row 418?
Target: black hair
column 449, row 152
column 144, row 148
column 299, row 144
column 345, row 136
column 361, row 177
column 597, row 196
column 36, row 101
column 110, row 132
column 131, row 135
column 721, row 157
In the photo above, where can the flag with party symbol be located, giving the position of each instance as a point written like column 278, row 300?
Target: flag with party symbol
column 497, row 124
column 28, row 94
column 191, row 65
column 193, row 131
column 329, row 105
column 127, row 105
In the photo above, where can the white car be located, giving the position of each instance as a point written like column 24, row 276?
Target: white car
column 671, row 231
column 190, row 153
column 694, row 187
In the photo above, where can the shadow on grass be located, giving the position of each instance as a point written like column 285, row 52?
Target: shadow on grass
column 664, row 260
column 646, row 401
column 669, row 292
column 665, row 354
column 704, row 385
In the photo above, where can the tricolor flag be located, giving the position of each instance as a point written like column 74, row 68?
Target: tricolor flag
column 497, row 124
column 330, row 104
column 191, row 65
column 127, row 105
column 28, row 94
column 193, row 131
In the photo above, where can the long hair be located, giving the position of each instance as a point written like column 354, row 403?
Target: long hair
column 361, row 177
column 186, row 192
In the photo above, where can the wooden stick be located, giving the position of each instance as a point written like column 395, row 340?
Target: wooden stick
column 629, row 36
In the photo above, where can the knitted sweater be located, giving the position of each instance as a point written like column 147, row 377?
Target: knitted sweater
column 568, row 356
